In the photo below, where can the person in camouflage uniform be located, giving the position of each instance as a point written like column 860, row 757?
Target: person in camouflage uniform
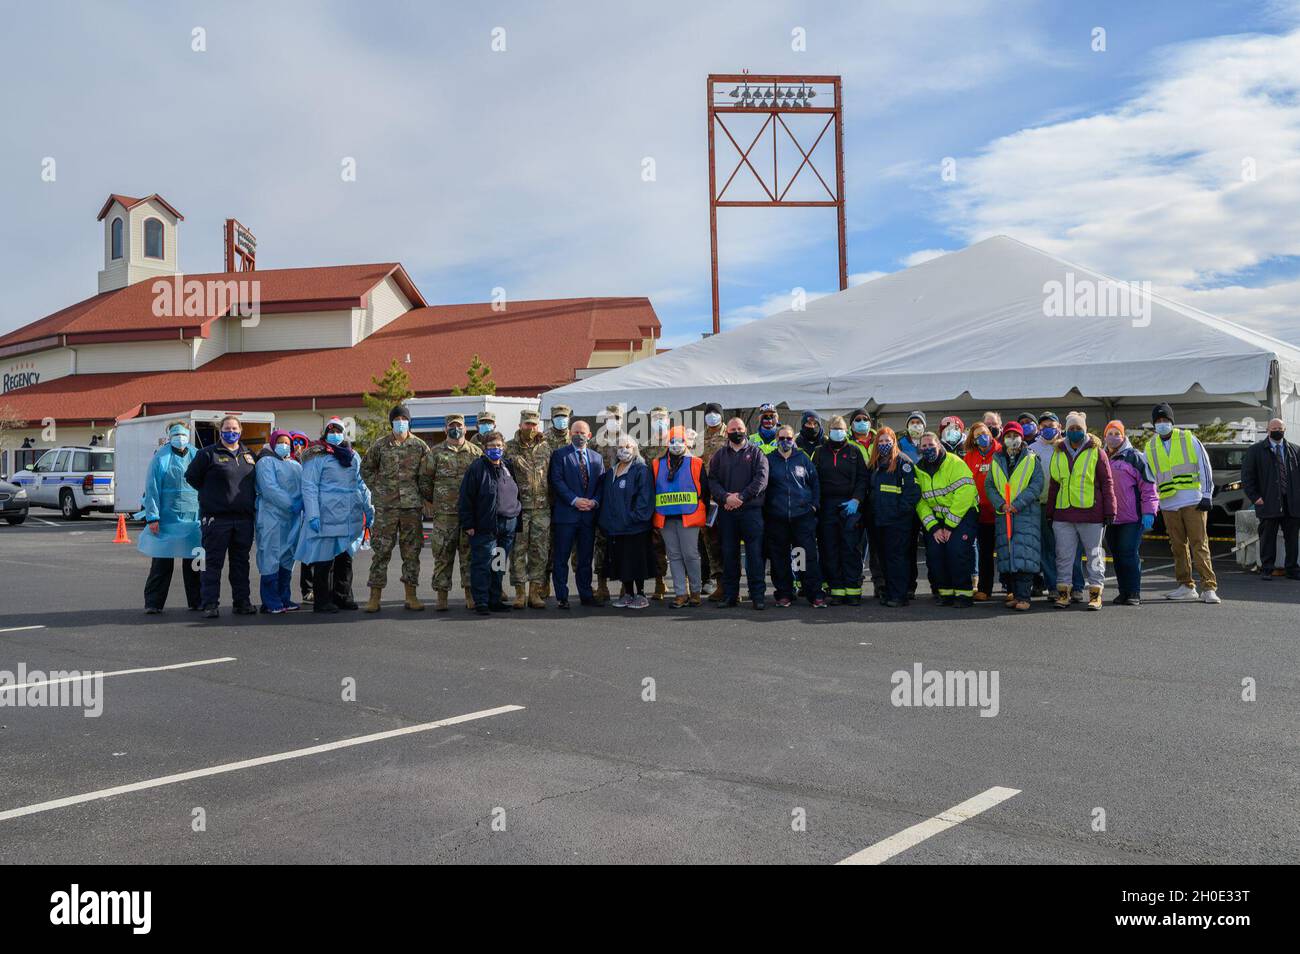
column 605, row 442
column 657, row 446
column 440, row 477
column 391, row 470
column 712, row 440
column 530, row 453
column 555, row 437
column 487, row 423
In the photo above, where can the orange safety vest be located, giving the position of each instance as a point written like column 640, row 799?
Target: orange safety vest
column 673, row 498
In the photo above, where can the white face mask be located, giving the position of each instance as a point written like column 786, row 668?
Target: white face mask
column 676, row 447
column 713, row 420
column 916, row 430
column 625, row 453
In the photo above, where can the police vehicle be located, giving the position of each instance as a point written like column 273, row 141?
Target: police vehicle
column 72, row 480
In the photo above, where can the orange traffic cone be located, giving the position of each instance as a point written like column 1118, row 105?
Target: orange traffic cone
column 121, row 530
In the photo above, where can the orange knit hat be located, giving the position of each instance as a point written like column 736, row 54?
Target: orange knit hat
column 1116, row 426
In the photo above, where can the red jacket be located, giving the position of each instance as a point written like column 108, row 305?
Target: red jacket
column 979, row 466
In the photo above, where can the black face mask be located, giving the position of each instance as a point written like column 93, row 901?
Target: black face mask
column 995, row 431
column 810, row 432
column 455, row 433
column 1277, row 435
column 736, row 437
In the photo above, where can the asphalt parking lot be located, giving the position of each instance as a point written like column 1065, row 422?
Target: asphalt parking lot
column 662, row 736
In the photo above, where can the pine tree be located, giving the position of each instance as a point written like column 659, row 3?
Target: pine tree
column 390, row 389
column 479, row 380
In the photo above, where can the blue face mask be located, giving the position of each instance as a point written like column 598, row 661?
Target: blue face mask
column 861, row 427
column 334, row 437
column 1050, row 433
column 400, row 426
column 180, row 440
column 1030, row 430
column 230, row 437
column 786, row 444
column 494, row 453
column 1164, row 428
column 1075, row 437
column 838, row 434
column 559, row 423
column 930, row 453
column 767, row 433
column 486, row 427
column 983, row 441
column 282, row 450
column 885, row 449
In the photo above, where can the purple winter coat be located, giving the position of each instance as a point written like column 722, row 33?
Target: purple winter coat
column 1134, row 494
column 1103, row 500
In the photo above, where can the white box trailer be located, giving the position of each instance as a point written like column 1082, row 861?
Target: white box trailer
column 136, row 440
column 429, row 415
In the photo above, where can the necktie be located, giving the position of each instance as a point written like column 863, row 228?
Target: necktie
column 582, row 467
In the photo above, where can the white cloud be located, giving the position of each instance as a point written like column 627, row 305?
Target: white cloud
column 924, row 255
column 1194, row 179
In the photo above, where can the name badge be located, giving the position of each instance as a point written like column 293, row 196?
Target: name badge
column 622, row 484
column 984, row 468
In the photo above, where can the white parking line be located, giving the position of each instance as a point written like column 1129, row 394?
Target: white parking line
column 19, row 629
column 882, row 851
column 249, row 763
column 119, row 672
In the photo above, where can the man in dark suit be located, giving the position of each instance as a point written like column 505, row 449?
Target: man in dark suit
column 1270, row 478
column 575, row 477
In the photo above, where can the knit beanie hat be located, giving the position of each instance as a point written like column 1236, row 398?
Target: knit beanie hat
column 1162, row 410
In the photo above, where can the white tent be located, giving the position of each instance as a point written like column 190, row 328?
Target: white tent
column 998, row 325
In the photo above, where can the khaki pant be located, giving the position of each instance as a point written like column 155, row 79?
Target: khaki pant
column 1190, row 541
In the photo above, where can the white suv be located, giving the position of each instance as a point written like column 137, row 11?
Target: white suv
column 72, row 480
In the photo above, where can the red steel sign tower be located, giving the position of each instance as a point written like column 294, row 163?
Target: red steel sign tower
column 775, row 98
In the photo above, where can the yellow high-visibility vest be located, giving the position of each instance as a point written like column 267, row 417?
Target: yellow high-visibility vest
column 1020, row 476
column 1076, row 481
column 1176, row 468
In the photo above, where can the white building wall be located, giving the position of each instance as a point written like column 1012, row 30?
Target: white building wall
column 133, row 356
column 386, row 303
column 23, row 370
column 320, row 329
column 203, row 350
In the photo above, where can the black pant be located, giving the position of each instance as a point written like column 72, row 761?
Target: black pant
column 797, row 538
column 841, row 558
column 1268, row 527
column 304, row 581
column 160, row 582
column 1021, row 584
column 221, row 534
column 897, row 546
column 913, row 548
column 735, row 526
column 984, row 540
column 332, row 580
column 871, row 542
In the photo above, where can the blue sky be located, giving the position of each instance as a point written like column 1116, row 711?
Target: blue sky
column 522, row 169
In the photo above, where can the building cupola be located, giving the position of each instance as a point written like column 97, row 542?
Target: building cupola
column 139, row 240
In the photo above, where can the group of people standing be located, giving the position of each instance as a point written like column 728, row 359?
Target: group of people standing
column 301, row 501
column 824, row 505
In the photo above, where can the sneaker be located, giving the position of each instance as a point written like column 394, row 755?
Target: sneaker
column 275, row 612
column 819, row 602
column 292, row 607
column 759, row 605
column 782, row 602
column 152, row 610
column 1078, row 596
column 210, row 612
column 639, row 602
column 623, row 602
column 1183, row 593
column 1210, row 596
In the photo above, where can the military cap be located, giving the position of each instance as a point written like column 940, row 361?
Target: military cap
column 529, row 417
column 455, row 419
column 487, row 416
column 561, row 410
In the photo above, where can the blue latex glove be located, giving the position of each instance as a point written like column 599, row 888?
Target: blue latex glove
column 850, row 506
column 1148, row 521
column 314, row 522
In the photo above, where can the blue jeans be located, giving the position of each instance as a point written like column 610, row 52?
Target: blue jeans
column 1049, row 558
column 489, row 558
column 277, row 589
column 1123, row 541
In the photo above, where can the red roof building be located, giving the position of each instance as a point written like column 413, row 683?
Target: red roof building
column 156, row 341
